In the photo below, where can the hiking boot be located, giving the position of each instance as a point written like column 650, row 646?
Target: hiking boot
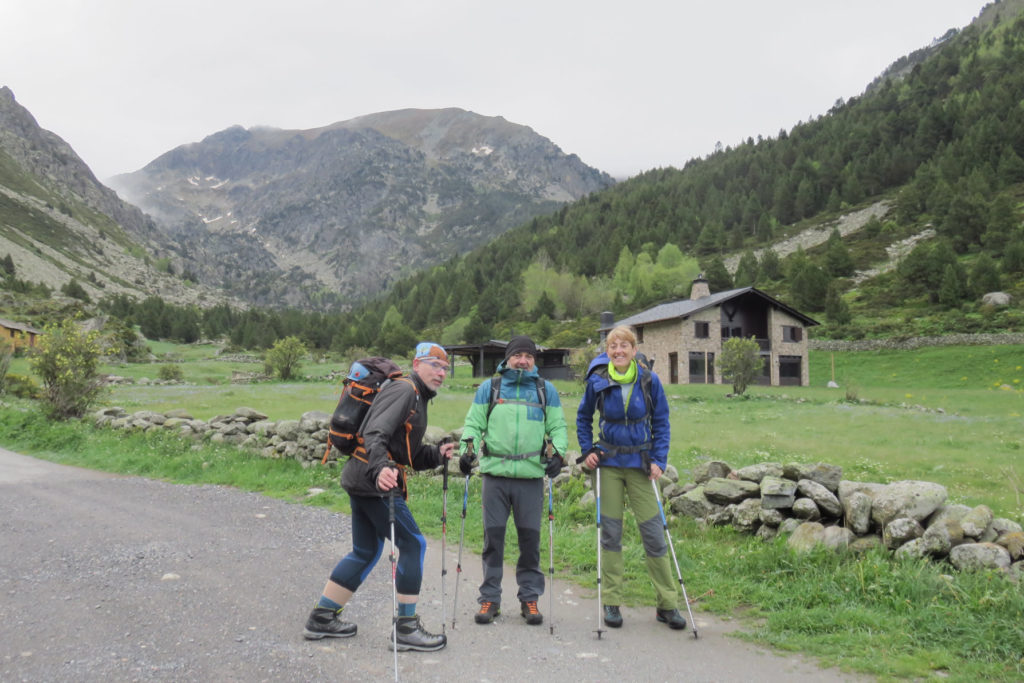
column 672, row 617
column 488, row 610
column 612, row 616
column 412, row 636
column 528, row 609
column 323, row 622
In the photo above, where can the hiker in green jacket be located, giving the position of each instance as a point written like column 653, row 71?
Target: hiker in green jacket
column 511, row 432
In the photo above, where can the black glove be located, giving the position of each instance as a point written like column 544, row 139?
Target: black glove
column 553, row 467
column 466, row 463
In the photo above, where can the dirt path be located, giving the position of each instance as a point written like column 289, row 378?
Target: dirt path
column 111, row 578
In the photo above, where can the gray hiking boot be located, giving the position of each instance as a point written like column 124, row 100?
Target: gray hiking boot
column 672, row 617
column 323, row 622
column 412, row 636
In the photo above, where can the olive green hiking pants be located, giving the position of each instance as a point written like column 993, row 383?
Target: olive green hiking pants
column 617, row 485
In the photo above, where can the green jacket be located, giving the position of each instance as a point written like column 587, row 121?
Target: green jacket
column 511, row 441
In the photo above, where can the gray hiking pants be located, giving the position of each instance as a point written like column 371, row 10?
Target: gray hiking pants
column 525, row 498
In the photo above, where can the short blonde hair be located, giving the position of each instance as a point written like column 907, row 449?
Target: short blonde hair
column 622, row 333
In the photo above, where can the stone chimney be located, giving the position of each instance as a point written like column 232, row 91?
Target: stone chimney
column 700, row 288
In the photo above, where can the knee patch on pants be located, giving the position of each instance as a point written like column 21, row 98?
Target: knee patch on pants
column 611, row 534
column 653, row 534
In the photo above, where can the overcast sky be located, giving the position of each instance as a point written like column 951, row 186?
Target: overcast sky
column 628, row 85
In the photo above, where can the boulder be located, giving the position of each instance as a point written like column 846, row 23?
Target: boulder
column 864, row 544
column 289, row 430
column 789, row 525
column 770, row 517
column 975, row 522
column 822, row 497
column 711, row 469
column 694, row 504
column 901, row 530
column 837, row 538
column 974, row 556
column 726, row 491
column 805, row 509
column 806, row 536
column 777, row 493
column 996, row 299
column 746, row 516
column 848, row 488
column 857, row 511
column 249, row 414
column 939, row 539
column 759, row 471
column 914, row 499
column 951, row 511
column 1013, row 541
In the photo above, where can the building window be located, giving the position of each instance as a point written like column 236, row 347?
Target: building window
column 790, row 370
column 702, row 367
column 792, row 333
column 639, row 335
column 701, row 330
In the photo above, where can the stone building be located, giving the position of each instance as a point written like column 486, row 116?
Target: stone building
column 18, row 335
column 682, row 338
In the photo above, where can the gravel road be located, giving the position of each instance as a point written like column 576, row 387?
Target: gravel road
column 113, row 578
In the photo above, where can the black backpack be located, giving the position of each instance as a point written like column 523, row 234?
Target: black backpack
column 365, row 379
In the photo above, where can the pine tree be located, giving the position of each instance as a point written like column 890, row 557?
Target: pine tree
column 770, row 267
column 746, row 270
column 953, row 289
column 838, row 261
column 984, row 276
column 836, row 309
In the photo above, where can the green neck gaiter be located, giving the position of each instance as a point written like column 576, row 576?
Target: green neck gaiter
column 627, row 377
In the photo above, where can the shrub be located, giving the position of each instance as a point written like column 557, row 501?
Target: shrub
column 284, row 358
column 67, row 362
column 740, row 362
column 170, row 372
column 22, row 386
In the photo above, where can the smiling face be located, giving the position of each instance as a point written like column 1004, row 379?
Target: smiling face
column 521, row 361
column 621, row 348
column 621, row 353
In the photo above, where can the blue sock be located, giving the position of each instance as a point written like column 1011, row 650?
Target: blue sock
column 328, row 603
column 407, row 609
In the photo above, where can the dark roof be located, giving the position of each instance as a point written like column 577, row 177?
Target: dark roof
column 687, row 307
column 19, row 326
column 496, row 345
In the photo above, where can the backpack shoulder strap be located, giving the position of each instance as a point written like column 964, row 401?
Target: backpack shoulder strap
column 495, row 394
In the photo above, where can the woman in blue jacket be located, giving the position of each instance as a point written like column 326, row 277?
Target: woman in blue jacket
column 632, row 451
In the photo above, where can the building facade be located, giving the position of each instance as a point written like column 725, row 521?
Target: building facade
column 683, row 339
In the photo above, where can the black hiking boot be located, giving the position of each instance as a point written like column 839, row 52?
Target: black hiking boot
column 612, row 616
column 528, row 609
column 323, row 622
column 672, row 617
column 488, row 610
column 412, row 636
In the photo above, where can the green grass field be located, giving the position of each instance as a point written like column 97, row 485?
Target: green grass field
column 950, row 415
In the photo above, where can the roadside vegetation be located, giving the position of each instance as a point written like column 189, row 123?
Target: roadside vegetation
column 950, row 415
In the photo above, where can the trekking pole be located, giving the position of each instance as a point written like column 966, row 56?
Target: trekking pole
column 551, row 557
column 394, row 578
column 597, row 500
column 462, row 537
column 444, row 535
column 668, row 537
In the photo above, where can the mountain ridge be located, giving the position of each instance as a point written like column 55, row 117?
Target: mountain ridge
column 411, row 186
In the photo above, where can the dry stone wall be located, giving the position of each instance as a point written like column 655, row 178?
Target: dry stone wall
column 811, row 505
